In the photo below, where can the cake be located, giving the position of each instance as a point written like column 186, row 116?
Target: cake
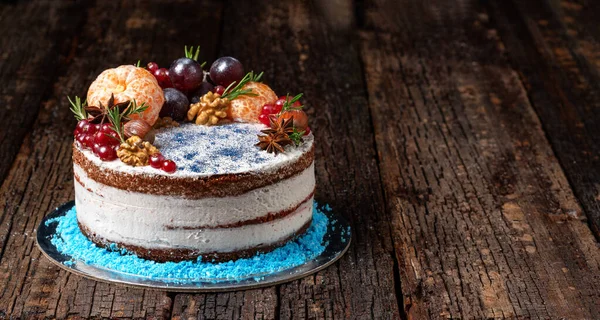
column 209, row 165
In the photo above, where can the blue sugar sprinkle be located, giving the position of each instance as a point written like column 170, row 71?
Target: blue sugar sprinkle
column 223, row 148
column 70, row 241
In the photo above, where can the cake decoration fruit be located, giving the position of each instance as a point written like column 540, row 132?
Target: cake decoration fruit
column 219, row 89
column 127, row 83
column 176, row 105
column 226, row 70
column 290, row 122
column 152, row 66
column 186, row 74
column 169, row 166
column 247, row 108
column 162, row 77
column 214, row 107
column 156, row 160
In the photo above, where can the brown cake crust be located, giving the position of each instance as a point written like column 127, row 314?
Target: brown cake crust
column 176, row 255
column 191, row 187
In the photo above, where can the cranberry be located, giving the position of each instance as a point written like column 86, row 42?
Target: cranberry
column 279, row 104
column 105, row 139
column 107, row 128
column 156, row 160
column 80, row 137
column 88, row 141
column 81, row 125
column 295, row 104
column 106, row 153
column 162, row 76
column 268, row 109
column 219, row 89
column 264, row 119
column 169, row 166
column 152, row 66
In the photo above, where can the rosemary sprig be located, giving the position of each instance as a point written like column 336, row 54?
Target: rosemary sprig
column 116, row 117
column 232, row 93
column 296, row 136
column 77, row 107
column 133, row 108
column 191, row 54
column 288, row 105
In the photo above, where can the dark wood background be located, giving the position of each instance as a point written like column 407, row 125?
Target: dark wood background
column 461, row 138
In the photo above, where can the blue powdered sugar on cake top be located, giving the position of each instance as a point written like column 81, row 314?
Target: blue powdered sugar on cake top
column 220, row 149
column 69, row 240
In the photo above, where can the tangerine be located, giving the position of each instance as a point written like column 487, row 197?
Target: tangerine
column 128, row 82
column 247, row 108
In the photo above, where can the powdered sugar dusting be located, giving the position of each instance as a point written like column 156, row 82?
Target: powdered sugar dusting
column 209, row 150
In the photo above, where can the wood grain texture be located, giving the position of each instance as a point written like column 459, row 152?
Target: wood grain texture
column 41, row 176
column 304, row 47
column 555, row 47
column 37, row 41
column 484, row 221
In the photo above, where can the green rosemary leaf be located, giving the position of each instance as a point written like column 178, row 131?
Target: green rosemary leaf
column 138, row 63
column 296, row 136
column 288, row 105
column 235, row 90
column 78, row 108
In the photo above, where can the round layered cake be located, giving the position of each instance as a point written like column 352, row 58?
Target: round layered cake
column 227, row 199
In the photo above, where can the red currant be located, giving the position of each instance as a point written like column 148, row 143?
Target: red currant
column 162, row 76
column 105, row 139
column 107, row 128
column 81, row 138
column 307, row 131
column 219, row 89
column 264, row 119
column 88, row 141
column 81, row 125
column 279, row 104
column 268, row 109
column 295, row 104
column 156, row 160
column 152, row 66
column 90, row 129
column 169, row 166
column 106, row 153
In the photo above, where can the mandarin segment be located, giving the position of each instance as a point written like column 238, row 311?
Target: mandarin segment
column 128, row 82
column 247, row 108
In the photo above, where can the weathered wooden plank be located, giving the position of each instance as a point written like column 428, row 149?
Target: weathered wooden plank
column 36, row 41
column 555, row 45
column 304, row 47
column 485, row 224
column 41, row 177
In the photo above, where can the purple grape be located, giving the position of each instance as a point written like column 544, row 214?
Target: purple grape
column 176, row 104
column 204, row 88
column 226, row 70
column 186, row 74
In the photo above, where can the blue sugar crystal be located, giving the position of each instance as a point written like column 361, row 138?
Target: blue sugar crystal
column 70, row 241
column 219, row 149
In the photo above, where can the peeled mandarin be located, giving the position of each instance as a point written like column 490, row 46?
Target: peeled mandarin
column 127, row 83
column 247, row 108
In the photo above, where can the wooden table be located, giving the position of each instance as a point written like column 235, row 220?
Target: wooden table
column 460, row 138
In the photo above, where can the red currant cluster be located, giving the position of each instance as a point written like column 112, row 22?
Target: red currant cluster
column 274, row 110
column 158, row 161
column 100, row 138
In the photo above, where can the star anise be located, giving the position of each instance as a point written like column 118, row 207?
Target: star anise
column 283, row 126
column 99, row 114
column 274, row 142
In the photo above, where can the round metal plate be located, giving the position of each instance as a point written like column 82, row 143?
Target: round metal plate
column 338, row 238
